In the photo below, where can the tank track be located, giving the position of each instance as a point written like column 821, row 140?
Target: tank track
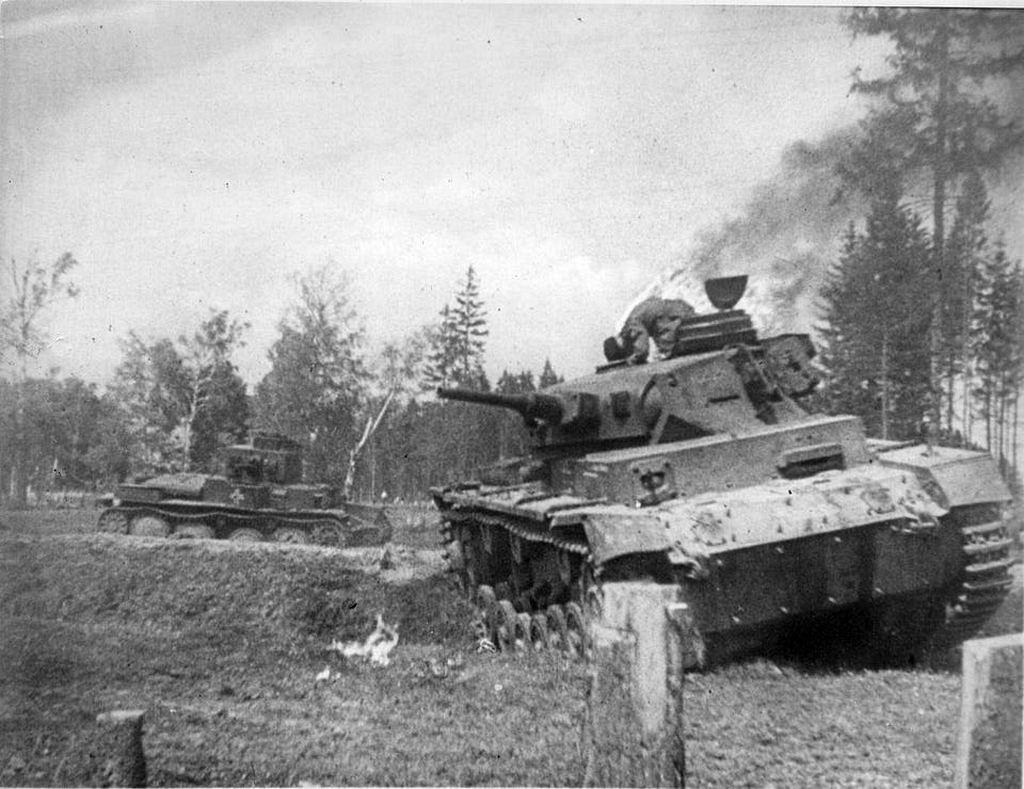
column 985, row 581
column 330, row 531
column 505, row 622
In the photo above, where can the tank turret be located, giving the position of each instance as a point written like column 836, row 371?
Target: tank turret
column 703, row 470
column 719, row 379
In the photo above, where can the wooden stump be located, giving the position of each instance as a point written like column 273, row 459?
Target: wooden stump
column 989, row 746
column 640, row 645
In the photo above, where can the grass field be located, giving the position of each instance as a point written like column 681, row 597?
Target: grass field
column 221, row 643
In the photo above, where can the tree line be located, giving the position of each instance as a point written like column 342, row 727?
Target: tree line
column 923, row 313
column 921, row 331
column 174, row 402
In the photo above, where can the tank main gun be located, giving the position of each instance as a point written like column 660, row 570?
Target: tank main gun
column 564, row 409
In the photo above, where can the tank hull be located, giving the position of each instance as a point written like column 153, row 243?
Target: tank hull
column 184, row 519
column 903, row 552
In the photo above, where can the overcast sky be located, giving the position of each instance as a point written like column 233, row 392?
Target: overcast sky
column 197, row 155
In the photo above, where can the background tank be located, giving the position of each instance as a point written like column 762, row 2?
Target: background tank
column 703, row 471
column 259, row 496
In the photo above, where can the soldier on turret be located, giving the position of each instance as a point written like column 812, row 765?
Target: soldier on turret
column 654, row 318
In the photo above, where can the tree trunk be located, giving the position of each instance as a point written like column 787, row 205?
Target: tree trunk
column 885, row 385
column 988, row 416
column 19, row 468
column 965, row 418
column 940, row 177
column 950, row 390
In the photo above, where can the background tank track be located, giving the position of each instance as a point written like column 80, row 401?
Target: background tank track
column 960, row 610
column 336, row 528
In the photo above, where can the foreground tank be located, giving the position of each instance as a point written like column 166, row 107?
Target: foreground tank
column 260, row 496
column 781, row 528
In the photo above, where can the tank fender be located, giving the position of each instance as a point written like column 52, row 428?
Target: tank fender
column 617, row 530
column 954, row 477
column 688, row 530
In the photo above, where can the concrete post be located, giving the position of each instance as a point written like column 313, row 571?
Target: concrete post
column 989, row 745
column 640, row 644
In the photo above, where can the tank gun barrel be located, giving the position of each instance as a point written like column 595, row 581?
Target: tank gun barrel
column 532, row 405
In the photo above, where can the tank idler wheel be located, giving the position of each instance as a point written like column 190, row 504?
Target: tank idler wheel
column 539, row 636
column 245, row 534
column 193, row 531
column 558, row 630
column 113, row 522
column 502, row 622
column 485, row 598
column 291, row 534
column 149, row 526
column 577, row 628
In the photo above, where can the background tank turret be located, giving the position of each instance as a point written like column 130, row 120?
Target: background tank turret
column 704, row 471
column 260, row 495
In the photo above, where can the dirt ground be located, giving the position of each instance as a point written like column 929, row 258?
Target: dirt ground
column 222, row 644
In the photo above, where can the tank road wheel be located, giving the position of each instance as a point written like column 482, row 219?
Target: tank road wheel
column 452, row 554
column 539, row 636
column 193, row 531
column 291, row 534
column 564, row 562
column 470, row 575
column 149, row 526
column 558, row 631
column 485, row 598
column 503, row 590
column 593, row 601
column 329, row 533
column 502, row 622
column 245, row 534
column 577, row 630
column 517, row 549
column 112, row 522
column 522, row 642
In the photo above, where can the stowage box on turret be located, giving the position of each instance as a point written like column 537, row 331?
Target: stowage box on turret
column 259, row 496
column 702, row 470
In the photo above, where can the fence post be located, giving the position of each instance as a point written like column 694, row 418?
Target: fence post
column 989, row 745
column 117, row 749
column 640, row 644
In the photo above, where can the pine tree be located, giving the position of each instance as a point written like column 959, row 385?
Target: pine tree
column 456, row 344
column 470, row 332
column 998, row 348
column 548, row 376
column 442, row 357
column 875, row 346
column 937, row 119
column 965, row 252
